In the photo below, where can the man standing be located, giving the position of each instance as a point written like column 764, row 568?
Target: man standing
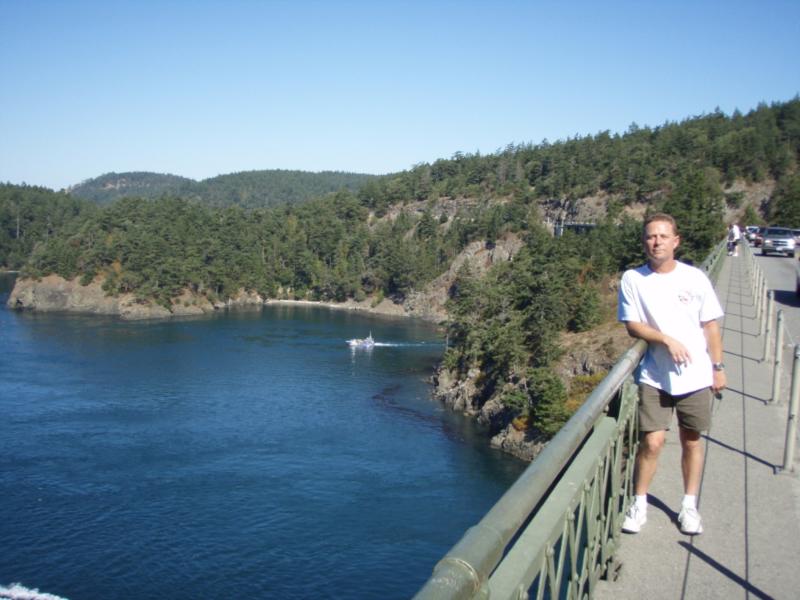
column 673, row 307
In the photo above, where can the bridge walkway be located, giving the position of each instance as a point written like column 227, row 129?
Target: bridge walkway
column 751, row 511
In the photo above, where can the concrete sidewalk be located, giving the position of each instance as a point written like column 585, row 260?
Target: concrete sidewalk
column 750, row 547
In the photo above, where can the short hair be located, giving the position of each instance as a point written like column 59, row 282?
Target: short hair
column 660, row 217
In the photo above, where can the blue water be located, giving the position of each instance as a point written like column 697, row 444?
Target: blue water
column 245, row 455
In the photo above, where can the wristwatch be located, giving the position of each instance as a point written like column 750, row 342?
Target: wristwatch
column 718, row 366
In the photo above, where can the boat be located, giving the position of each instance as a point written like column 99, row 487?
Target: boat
column 367, row 342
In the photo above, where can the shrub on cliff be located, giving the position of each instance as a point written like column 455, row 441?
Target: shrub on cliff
column 548, row 401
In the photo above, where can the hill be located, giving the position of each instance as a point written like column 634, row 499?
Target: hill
column 248, row 189
column 142, row 184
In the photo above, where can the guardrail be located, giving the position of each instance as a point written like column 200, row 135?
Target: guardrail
column 554, row 532
column 774, row 354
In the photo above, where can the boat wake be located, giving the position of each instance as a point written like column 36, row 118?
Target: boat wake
column 357, row 344
column 368, row 343
column 402, row 344
column 20, row 592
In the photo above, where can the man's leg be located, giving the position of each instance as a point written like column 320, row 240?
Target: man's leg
column 692, row 466
column 650, row 446
column 691, row 461
column 647, row 460
column 655, row 413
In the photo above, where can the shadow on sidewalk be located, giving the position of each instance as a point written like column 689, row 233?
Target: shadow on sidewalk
column 786, row 297
column 755, row 359
column 763, row 401
column 656, row 502
column 772, row 467
column 746, row 585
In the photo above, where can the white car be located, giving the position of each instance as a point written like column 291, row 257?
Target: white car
column 778, row 240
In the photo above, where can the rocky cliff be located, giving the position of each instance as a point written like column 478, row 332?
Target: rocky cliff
column 56, row 294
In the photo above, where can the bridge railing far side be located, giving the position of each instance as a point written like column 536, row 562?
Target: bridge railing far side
column 772, row 354
column 553, row 534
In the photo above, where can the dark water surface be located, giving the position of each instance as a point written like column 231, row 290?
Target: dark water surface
column 246, row 455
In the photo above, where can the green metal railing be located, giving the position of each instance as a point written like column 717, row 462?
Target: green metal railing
column 554, row 532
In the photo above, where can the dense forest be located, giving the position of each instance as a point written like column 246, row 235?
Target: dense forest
column 31, row 216
column 394, row 234
column 248, row 189
column 637, row 166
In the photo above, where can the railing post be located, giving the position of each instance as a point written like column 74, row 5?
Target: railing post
column 766, row 328
column 760, row 302
column 762, row 289
column 778, row 361
column 757, row 285
column 791, row 421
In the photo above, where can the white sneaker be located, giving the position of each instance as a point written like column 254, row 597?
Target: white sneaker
column 634, row 519
column 689, row 519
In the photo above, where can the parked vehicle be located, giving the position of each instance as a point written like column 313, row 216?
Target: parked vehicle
column 758, row 237
column 778, row 240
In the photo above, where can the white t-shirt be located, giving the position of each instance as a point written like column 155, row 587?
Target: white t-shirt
column 675, row 303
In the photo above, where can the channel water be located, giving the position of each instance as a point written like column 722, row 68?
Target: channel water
column 250, row 454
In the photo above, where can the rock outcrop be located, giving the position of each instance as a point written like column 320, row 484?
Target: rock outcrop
column 56, row 294
column 524, row 444
column 429, row 303
column 463, row 395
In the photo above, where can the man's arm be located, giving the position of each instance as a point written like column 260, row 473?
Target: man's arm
column 651, row 335
column 714, row 342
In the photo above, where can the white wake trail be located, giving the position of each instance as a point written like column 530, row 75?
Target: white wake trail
column 20, row 592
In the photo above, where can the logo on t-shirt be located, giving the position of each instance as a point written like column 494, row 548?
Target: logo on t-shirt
column 685, row 296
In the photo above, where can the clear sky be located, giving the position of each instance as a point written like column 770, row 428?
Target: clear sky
column 201, row 88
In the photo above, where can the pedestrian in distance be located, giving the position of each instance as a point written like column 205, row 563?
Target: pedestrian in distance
column 734, row 235
column 673, row 307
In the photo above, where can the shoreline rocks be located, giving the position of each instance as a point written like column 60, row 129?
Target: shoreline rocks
column 56, row 294
column 462, row 395
column 53, row 293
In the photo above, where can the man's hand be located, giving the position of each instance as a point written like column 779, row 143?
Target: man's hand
column 649, row 334
column 720, row 381
column 677, row 351
column 714, row 340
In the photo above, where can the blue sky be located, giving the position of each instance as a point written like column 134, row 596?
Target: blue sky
column 204, row 88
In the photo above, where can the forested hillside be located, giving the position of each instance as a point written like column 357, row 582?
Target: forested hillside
column 257, row 189
column 141, row 184
column 638, row 166
column 248, row 189
column 397, row 233
column 31, row 215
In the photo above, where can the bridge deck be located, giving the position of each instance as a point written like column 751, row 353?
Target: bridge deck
column 751, row 511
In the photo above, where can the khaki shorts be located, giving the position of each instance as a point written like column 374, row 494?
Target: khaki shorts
column 656, row 407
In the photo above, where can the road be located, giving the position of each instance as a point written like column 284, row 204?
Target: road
column 781, row 272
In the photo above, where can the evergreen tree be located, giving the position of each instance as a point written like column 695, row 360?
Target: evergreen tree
column 784, row 207
column 697, row 205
